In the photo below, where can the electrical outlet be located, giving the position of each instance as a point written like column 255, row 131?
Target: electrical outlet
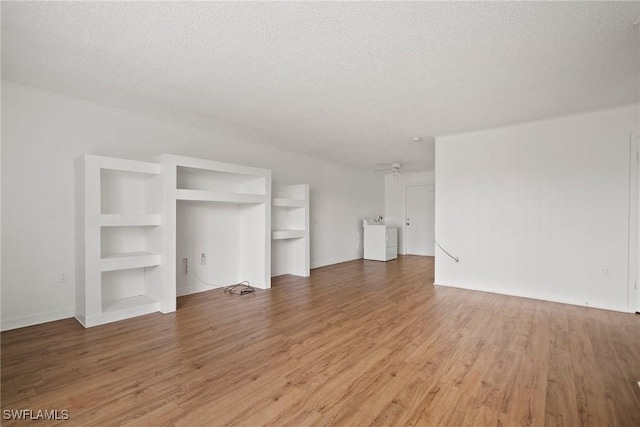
column 185, row 263
column 203, row 259
column 63, row 278
column 606, row 272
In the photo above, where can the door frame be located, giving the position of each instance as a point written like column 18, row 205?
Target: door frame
column 633, row 291
column 431, row 186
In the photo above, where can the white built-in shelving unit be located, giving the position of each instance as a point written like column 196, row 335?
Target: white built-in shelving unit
column 290, row 230
column 148, row 232
column 221, row 210
column 119, row 239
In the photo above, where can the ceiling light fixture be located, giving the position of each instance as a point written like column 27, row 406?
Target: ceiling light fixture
column 416, row 139
column 394, row 168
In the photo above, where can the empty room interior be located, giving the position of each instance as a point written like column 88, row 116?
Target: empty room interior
column 320, row 213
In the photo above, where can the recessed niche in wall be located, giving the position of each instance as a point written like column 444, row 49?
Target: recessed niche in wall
column 126, row 289
column 221, row 210
column 290, row 230
column 125, row 193
column 122, row 240
column 189, row 178
column 119, row 239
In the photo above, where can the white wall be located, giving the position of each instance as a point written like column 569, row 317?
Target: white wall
column 0, row 208
column 395, row 199
column 43, row 133
column 634, row 224
column 538, row 209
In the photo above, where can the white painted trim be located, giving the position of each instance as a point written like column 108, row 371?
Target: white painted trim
column 328, row 263
column 80, row 317
column 36, row 319
column 533, row 297
column 633, row 293
column 195, row 289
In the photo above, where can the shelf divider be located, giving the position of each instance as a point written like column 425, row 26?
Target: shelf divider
column 287, row 234
column 122, row 261
column 288, row 203
column 117, row 220
column 220, row 197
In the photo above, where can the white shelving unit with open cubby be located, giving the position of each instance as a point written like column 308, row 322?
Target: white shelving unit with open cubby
column 290, row 230
column 119, row 239
column 219, row 210
column 138, row 222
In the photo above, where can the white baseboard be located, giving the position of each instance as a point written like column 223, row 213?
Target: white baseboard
column 194, row 289
column 321, row 263
column 36, row 319
column 535, row 297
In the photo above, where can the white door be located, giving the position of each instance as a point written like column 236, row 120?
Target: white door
column 420, row 219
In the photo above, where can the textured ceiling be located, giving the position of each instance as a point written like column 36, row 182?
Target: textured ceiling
column 349, row 82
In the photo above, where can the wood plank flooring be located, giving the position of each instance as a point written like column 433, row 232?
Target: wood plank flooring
column 358, row 343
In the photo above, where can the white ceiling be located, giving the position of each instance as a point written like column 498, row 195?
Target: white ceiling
column 349, row 82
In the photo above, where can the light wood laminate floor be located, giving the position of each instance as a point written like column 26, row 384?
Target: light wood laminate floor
column 358, row 343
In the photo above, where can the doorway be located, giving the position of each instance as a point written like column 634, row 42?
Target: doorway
column 420, row 219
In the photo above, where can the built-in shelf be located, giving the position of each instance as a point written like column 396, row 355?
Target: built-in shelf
column 290, row 230
column 116, row 220
column 119, row 239
column 141, row 303
column 288, row 234
column 220, row 197
column 128, row 166
column 208, row 175
column 288, row 203
column 122, row 261
column 221, row 210
column 127, row 192
column 135, row 219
